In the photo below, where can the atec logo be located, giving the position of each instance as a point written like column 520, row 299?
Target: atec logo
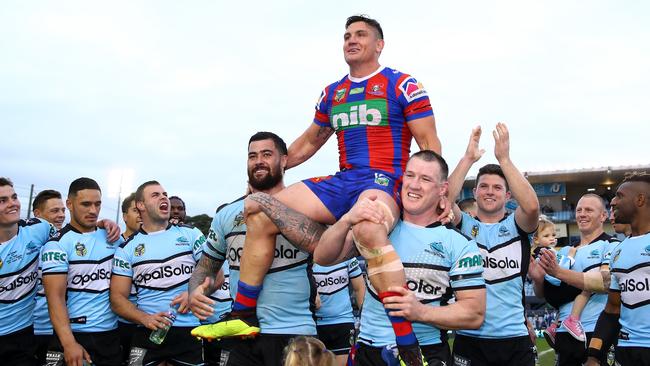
column 53, row 256
column 100, row 274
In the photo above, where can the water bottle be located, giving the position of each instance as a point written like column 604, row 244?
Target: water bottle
column 158, row 336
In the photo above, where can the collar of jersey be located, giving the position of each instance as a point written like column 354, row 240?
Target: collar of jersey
column 505, row 216
column 160, row 231
column 360, row 80
column 69, row 227
column 602, row 237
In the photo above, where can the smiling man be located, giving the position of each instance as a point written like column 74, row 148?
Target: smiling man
column 48, row 205
column 375, row 112
column 159, row 260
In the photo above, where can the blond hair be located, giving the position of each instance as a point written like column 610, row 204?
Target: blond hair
column 307, row 351
column 543, row 223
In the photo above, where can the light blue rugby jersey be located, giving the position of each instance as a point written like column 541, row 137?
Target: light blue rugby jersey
column 223, row 301
column 630, row 268
column 42, row 323
column 286, row 302
column 86, row 260
column 18, row 274
column 133, row 295
column 160, row 265
column 589, row 258
column 505, row 249
column 333, row 284
column 438, row 260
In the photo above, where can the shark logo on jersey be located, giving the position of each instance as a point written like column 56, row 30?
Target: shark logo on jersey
column 503, row 231
column 647, row 250
column 239, row 220
column 139, row 250
column 32, row 248
column 475, row 231
column 340, row 94
column 182, row 240
column 80, row 249
column 436, row 249
column 594, row 254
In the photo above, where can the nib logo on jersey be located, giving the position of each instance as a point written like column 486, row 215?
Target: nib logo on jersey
column 501, row 263
column 90, row 276
column 165, row 274
column 19, row 284
column 358, row 114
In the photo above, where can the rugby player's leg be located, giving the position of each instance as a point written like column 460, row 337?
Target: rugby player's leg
column 259, row 251
column 385, row 268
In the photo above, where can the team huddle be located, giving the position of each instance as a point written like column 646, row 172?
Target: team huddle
column 271, row 282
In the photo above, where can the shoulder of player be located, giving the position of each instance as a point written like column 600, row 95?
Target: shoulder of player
column 65, row 231
column 236, row 203
column 30, row 222
column 455, row 233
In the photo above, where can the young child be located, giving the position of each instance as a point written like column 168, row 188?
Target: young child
column 544, row 239
column 307, row 351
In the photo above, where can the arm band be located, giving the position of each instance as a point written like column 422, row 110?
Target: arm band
column 594, row 281
column 605, row 334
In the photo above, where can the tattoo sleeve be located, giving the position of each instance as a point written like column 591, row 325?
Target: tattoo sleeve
column 324, row 133
column 207, row 267
column 300, row 230
column 607, row 279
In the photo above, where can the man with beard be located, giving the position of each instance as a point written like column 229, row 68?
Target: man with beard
column 178, row 213
column 375, row 112
column 48, row 206
column 630, row 281
column 285, row 302
column 158, row 260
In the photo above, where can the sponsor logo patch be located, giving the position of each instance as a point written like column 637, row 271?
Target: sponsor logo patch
column 475, row 230
column 339, row 94
column 356, row 114
column 412, row 89
column 382, row 179
column 356, row 90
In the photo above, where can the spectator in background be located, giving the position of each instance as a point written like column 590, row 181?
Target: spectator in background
column 177, row 209
column 469, row 206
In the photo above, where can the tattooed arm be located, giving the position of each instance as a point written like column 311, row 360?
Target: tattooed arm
column 307, row 144
column 206, row 279
column 301, row 231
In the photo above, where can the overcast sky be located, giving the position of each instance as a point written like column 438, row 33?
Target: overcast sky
column 172, row 90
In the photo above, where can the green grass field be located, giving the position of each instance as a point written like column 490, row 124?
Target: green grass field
column 544, row 352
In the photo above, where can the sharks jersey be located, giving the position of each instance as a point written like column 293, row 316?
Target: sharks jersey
column 589, row 258
column 18, row 274
column 370, row 116
column 437, row 261
column 505, row 249
column 160, row 265
column 285, row 304
column 630, row 267
column 221, row 297
column 42, row 323
column 86, row 260
column 333, row 288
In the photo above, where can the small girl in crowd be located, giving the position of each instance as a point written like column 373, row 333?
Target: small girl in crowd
column 545, row 238
column 307, row 351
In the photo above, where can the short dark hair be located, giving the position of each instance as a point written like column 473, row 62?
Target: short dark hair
column 492, row 169
column 127, row 202
column 139, row 193
column 637, row 177
column 178, row 198
column 263, row 135
column 430, row 155
column 466, row 203
column 80, row 184
column 366, row 19
column 43, row 196
column 6, row 182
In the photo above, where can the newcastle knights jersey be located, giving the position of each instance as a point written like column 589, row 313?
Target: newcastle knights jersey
column 18, row 274
column 160, row 265
column 86, row 259
column 370, row 116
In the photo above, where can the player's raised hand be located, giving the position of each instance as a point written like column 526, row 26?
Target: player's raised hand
column 501, row 142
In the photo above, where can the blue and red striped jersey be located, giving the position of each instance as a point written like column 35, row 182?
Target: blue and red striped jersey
column 370, row 117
